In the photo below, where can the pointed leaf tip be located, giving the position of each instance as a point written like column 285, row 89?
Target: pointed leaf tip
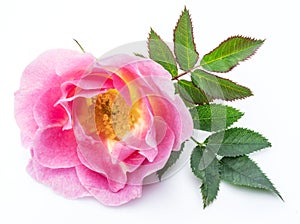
column 214, row 117
column 184, row 45
column 236, row 142
column 229, row 53
column 161, row 53
column 210, row 176
column 245, row 172
column 218, row 87
column 189, row 92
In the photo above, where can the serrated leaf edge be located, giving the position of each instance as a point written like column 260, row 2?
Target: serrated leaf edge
column 213, row 97
column 244, row 154
column 192, row 102
column 192, row 32
column 231, row 37
column 246, row 185
column 225, row 128
column 205, row 203
column 148, row 46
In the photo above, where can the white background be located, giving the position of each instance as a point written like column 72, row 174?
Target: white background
column 31, row 27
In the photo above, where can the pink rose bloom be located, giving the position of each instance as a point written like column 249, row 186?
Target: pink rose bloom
column 98, row 127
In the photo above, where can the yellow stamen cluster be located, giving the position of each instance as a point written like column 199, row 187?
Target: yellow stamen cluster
column 113, row 117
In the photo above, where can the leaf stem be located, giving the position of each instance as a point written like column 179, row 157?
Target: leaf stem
column 184, row 73
column 82, row 49
column 198, row 143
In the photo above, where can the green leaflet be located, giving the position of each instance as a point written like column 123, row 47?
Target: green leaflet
column 214, row 117
column 160, row 53
column 187, row 103
column 210, row 176
column 191, row 93
column 218, row 87
column 243, row 171
column 138, row 55
column 171, row 161
column 229, row 53
column 236, row 141
column 184, row 46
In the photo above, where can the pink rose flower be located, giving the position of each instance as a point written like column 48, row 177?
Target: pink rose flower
column 98, row 127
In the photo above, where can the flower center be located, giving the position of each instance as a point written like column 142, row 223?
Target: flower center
column 114, row 118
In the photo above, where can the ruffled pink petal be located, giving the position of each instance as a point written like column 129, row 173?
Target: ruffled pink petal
column 88, row 86
column 97, row 158
column 133, row 85
column 133, row 161
column 26, row 141
column 157, row 132
column 136, row 77
column 55, row 148
column 124, row 154
column 64, row 180
column 115, row 62
column 147, row 168
column 41, row 75
column 46, row 113
column 45, row 68
column 97, row 186
column 136, row 66
column 95, row 155
column 169, row 113
column 24, row 102
column 75, row 65
column 148, row 75
column 147, row 133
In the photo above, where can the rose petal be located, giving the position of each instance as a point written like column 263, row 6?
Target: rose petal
column 64, row 181
column 24, row 102
column 97, row 158
column 74, row 65
column 41, row 75
column 98, row 186
column 115, row 62
column 95, row 155
column 88, row 86
column 26, row 141
column 133, row 86
column 46, row 113
column 130, row 157
column 164, row 150
column 136, row 66
column 133, row 161
column 43, row 70
column 55, row 148
column 162, row 105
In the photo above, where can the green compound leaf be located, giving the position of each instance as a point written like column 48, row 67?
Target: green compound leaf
column 229, row 53
column 184, row 46
column 171, row 161
column 236, row 141
column 160, row 53
column 209, row 176
column 188, row 91
column 218, row 87
column 214, row 117
column 244, row 172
